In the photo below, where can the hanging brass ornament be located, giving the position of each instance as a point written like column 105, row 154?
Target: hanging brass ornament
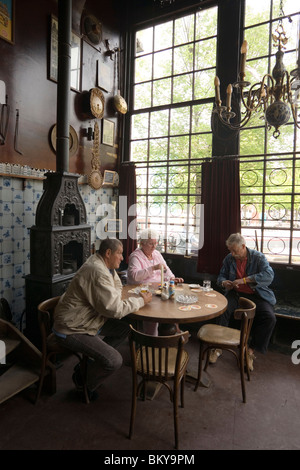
column 95, row 178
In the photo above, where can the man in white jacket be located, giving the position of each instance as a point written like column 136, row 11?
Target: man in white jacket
column 92, row 307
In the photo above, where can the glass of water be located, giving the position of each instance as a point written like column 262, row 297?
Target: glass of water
column 206, row 285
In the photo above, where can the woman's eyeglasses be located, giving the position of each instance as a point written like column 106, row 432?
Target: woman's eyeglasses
column 151, row 244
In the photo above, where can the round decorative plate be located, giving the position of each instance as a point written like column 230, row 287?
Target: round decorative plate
column 95, row 179
column 120, row 104
column 73, row 140
column 93, row 29
column 97, row 103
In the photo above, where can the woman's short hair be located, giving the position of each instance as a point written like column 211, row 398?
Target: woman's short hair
column 147, row 234
column 235, row 238
column 109, row 244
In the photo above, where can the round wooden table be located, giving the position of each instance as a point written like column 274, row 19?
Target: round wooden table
column 208, row 305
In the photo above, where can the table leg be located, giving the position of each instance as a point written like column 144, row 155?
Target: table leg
column 191, row 377
column 152, row 390
column 168, row 329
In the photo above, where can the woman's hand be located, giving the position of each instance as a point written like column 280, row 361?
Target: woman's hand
column 158, row 266
column 178, row 280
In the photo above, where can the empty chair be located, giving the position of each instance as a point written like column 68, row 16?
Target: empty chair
column 236, row 341
column 158, row 359
column 50, row 347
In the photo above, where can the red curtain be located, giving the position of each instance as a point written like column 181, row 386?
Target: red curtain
column 221, row 200
column 127, row 187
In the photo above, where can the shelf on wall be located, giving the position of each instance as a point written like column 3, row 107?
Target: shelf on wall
column 31, row 177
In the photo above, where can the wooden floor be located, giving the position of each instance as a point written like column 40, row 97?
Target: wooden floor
column 213, row 418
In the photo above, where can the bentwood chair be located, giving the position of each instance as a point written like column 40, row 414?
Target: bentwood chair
column 236, row 341
column 51, row 348
column 158, row 359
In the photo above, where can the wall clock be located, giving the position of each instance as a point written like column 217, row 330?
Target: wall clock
column 97, row 103
column 93, row 102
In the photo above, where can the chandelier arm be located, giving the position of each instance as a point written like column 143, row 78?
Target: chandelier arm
column 237, row 126
column 251, row 95
column 295, row 115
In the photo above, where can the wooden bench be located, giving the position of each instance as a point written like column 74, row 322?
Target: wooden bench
column 286, row 287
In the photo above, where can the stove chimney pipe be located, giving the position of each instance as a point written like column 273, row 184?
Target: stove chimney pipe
column 63, row 85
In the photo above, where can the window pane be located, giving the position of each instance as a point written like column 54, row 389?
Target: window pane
column 139, row 151
column 252, row 141
column 256, row 10
column 201, row 146
column 183, row 59
column 204, row 84
column 257, row 47
column 144, row 41
column 180, row 121
column 179, row 148
column 157, row 180
column 163, row 36
column 178, row 180
column 201, row 117
column 184, row 29
column 162, row 64
column 162, row 92
column 143, row 68
column 139, row 126
column 158, row 149
column 159, row 123
column 205, row 53
column 183, row 88
column 206, row 23
column 142, row 95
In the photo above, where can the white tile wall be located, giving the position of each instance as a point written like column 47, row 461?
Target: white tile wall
column 17, row 215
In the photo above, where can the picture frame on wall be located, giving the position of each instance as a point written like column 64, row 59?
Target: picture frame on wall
column 7, row 23
column 108, row 132
column 76, row 53
column 109, row 177
column 104, row 76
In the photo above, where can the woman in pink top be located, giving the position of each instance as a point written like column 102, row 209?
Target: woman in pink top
column 144, row 266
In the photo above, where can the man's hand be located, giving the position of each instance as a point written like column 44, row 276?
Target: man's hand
column 147, row 296
column 236, row 284
column 227, row 284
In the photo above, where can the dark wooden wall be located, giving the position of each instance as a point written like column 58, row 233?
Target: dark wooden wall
column 24, row 68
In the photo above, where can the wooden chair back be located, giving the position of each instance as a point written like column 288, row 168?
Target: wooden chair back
column 160, row 359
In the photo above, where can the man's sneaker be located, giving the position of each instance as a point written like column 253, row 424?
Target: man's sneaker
column 250, row 358
column 214, row 354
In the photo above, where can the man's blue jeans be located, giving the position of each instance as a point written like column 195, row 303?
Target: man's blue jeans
column 104, row 359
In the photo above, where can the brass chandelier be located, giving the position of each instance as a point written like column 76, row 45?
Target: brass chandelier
column 275, row 95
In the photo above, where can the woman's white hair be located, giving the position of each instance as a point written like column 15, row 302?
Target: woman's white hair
column 235, row 238
column 147, row 234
